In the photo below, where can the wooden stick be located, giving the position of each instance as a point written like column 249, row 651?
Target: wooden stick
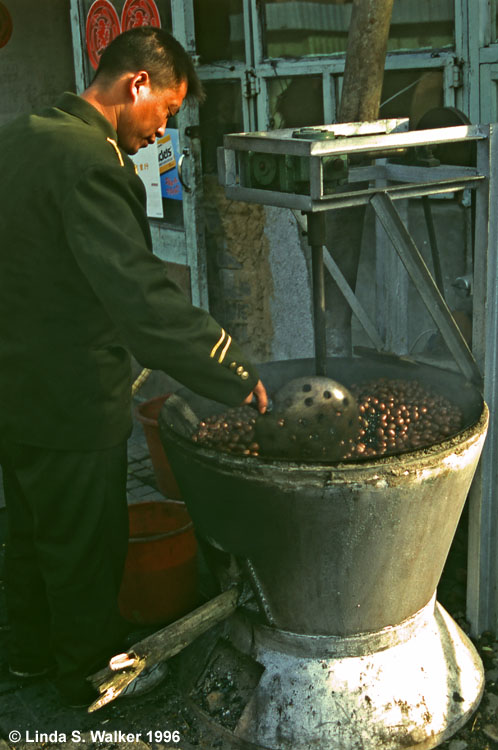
column 162, row 645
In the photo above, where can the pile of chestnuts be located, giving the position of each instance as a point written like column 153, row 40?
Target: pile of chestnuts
column 395, row 416
column 232, row 432
column 400, row 415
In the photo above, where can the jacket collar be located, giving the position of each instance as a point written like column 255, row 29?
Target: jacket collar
column 75, row 105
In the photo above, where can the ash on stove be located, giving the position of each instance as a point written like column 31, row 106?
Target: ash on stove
column 226, row 685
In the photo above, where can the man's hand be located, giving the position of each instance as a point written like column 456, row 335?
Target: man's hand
column 259, row 392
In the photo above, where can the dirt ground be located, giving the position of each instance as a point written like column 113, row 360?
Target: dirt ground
column 481, row 731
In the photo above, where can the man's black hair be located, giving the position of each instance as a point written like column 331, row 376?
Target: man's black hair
column 156, row 51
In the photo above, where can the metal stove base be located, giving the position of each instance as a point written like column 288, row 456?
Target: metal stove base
column 407, row 687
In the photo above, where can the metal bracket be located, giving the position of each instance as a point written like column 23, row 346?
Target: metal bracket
column 419, row 273
column 457, row 74
column 185, row 153
column 252, row 86
column 343, row 286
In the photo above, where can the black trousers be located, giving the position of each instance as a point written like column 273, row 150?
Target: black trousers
column 66, row 545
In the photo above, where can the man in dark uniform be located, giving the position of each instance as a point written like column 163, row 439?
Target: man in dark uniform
column 80, row 290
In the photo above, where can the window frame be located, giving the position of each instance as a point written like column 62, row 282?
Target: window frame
column 255, row 72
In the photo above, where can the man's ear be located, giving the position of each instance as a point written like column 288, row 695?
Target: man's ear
column 138, row 84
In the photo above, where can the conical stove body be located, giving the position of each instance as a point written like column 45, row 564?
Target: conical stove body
column 348, row 649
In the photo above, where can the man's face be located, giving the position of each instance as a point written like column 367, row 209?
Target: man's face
column 145, row 118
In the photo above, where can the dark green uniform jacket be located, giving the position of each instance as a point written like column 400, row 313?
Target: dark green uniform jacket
column 80, row 289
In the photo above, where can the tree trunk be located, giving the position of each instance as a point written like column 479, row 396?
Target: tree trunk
column 365, row 60
column 360, row 101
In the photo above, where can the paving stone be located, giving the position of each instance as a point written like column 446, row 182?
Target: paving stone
column 144, row 472
column 137, row 460
column 133, row 482
column 147, row 477
column 137, row 452
column 142, row 491
column 149, row 482
column 137, row 477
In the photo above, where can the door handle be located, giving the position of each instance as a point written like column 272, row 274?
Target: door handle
column 185, row 153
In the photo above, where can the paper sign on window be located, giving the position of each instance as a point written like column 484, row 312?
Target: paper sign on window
column 146, row 163
column 168, row 148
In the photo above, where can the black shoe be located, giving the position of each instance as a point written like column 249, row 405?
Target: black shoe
column 80, row 695
column 83, row 695
column 146, row 682
column 30, row 671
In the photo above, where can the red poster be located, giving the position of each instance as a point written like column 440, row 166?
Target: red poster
column 5, row 25
column 139, row 13
column 102, row 25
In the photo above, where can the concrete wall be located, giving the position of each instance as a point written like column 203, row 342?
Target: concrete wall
column 36, row 64
column 290, row 301
column 239, row 269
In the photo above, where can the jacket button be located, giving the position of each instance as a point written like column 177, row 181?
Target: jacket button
column 239, row 370
column 244, row 375
column 233, row 365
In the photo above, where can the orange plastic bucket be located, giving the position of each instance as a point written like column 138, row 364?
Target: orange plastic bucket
column 160, row 579
column 148, row 413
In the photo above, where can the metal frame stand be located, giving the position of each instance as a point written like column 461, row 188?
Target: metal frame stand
column 482, row 579
column 392, row 181
column 411, row 258
column 316, row 239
